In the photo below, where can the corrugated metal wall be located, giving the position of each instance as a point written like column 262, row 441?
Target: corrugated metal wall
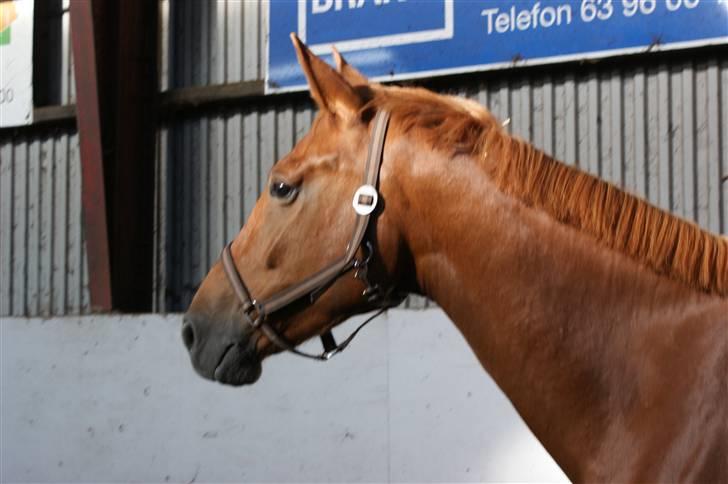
column 660, row 130
column 212, row 168
column 42, row 254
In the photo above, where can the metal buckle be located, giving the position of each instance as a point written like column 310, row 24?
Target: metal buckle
column 256, row 321
column 365, row 199
column 361, row 266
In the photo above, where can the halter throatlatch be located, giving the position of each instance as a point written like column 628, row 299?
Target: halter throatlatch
column 365, row 202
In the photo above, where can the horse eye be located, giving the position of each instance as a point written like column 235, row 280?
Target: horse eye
column 282, row 190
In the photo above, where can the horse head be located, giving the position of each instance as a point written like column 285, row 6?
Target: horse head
column 302, row 224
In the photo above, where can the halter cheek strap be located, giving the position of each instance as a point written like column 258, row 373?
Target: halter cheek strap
column 364, row 203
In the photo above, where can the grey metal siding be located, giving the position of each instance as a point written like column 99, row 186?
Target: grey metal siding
column 42, row 254
column 657, row 130
column 214, row 42
column 660, row 130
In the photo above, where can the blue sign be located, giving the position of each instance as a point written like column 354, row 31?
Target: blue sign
column 400, row 39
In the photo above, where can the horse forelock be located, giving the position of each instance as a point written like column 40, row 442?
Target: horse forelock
column 667, row 244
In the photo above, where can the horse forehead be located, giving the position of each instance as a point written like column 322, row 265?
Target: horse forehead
column 323, row 134
column 325, row 147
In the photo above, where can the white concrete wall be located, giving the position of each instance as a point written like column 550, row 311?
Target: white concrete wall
column 100, row 399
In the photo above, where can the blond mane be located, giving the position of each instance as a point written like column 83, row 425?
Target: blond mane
column 667, row 244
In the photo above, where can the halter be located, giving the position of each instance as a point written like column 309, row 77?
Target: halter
column 365, row 200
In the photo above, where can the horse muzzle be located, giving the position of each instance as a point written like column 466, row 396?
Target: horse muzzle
column 223, row 352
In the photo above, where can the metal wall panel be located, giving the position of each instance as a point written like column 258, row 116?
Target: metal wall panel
column 659, row 129
column 214, row 42
column 43, row 256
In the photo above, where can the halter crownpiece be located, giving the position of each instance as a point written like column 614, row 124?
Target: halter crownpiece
column 364, row 202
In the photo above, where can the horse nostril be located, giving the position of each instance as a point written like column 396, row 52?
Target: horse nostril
column 188, row 335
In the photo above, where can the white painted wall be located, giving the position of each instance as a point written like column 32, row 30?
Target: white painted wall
column 111, row 398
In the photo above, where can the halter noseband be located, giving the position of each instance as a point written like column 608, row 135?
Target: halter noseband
column 365, row 201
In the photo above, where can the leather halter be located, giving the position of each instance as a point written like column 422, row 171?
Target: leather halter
column 365, row 200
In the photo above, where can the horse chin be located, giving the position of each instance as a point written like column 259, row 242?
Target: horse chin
column 238, row 366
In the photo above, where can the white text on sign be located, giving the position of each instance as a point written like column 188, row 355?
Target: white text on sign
column 323, row 6
column 513, row 19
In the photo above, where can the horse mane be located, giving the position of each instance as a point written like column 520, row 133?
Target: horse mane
column 661, row 241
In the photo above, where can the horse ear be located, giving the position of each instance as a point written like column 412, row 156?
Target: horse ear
column 328, row 88
column 351, row 74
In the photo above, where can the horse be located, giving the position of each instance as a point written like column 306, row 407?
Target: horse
column 602, row 318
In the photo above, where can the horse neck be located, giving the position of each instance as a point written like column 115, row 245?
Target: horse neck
column 545, row 308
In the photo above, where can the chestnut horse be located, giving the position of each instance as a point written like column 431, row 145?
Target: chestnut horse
column 602, row 318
